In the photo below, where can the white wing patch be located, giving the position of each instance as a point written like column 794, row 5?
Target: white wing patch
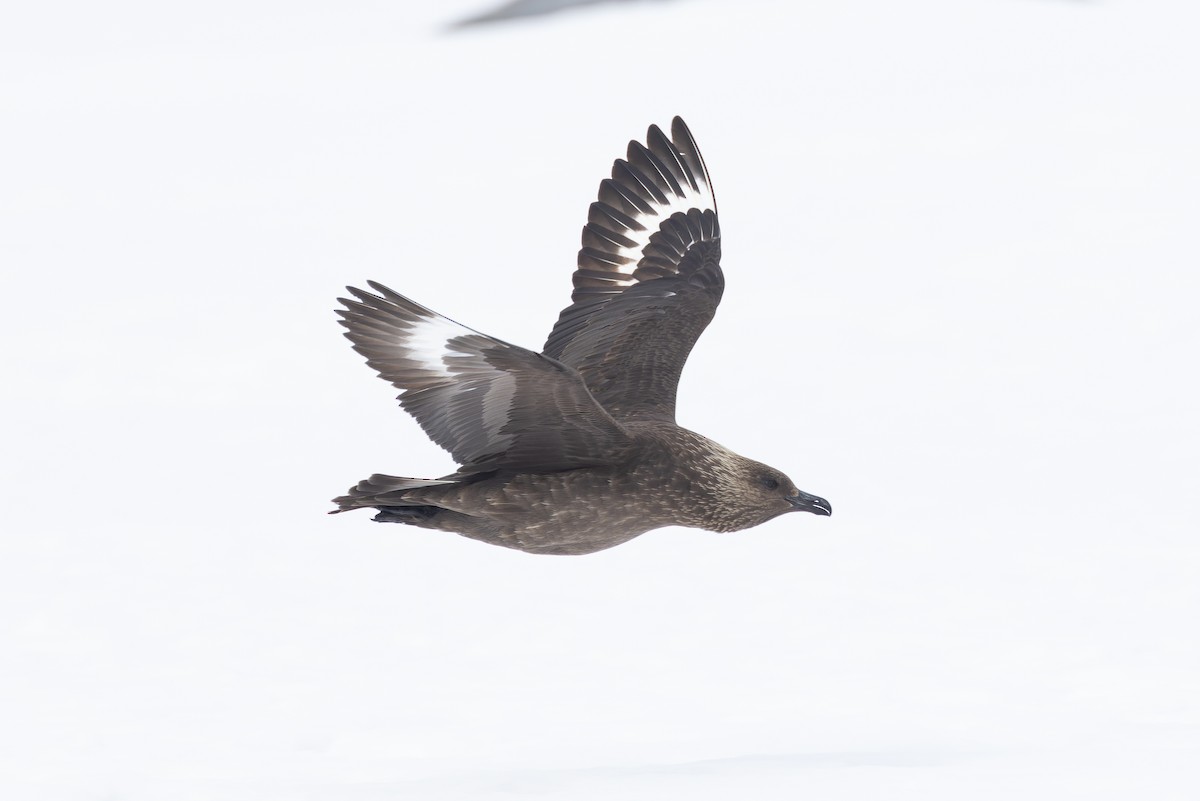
column 428, row 343
column 628, row 238
column 690, row 199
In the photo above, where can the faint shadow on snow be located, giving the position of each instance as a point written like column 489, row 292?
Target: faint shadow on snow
column 522, row 10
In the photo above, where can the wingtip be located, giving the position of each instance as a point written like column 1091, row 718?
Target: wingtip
column 678, row 126
column 364, row 297
column 680, row 130
column 354, row 292
column 375, row 285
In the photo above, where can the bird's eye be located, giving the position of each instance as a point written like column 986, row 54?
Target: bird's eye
column 770, row 483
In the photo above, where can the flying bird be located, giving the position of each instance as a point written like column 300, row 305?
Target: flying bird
column 575, row 449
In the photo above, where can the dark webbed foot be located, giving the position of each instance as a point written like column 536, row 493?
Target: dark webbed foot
column 413, row 515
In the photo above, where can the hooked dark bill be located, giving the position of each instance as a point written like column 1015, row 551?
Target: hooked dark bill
column 803, row 502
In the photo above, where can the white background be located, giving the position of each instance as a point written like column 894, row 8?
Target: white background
column 961, row 255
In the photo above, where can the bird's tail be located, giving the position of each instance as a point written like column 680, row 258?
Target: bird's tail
column 380, row 490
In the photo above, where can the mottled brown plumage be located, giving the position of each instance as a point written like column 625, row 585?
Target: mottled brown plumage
column 576, row 449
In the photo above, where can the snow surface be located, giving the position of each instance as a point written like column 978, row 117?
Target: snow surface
column 961, row 253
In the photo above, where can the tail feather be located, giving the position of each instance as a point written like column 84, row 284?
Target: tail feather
column 380, row 490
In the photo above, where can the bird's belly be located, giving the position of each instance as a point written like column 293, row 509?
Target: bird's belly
column 574, row 512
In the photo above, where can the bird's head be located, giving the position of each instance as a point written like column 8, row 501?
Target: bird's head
column 747, row 493
column 766, row 493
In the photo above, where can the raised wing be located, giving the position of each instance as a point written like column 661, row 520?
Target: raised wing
column 491, row 404
column 648, row 279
